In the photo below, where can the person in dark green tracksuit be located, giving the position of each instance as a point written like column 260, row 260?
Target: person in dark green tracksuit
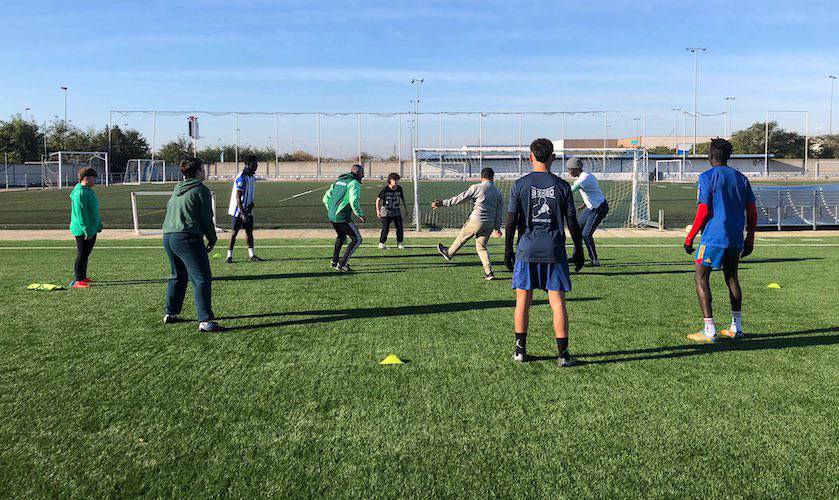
column 189, row 219
column 342, row 200
column 85, row 223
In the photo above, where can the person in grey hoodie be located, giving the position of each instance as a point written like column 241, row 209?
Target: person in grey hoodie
column 189, row 219
column 485, row 220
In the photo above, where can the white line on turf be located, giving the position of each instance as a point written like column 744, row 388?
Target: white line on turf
column 304, row 193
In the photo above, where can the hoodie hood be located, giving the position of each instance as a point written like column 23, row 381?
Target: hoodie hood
column 185, row 186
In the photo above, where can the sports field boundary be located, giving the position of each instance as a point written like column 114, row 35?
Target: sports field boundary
column 372, row 233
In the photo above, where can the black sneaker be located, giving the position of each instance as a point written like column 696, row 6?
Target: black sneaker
column 257, row 259
column 168, row 319
column 228, row 260
column 334, row 265
column 489, row 276
column 567, row 362
column 444, row 251
column 593, row 263
column 345, row 268
column 210, row 327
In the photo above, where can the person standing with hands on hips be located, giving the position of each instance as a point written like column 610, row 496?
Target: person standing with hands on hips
column 189, row 219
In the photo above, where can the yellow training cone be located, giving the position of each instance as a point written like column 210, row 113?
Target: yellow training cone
column 773, row 285
column 391, row 360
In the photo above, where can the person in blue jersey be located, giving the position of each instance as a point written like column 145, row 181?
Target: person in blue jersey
column 540, row 206
column 595, row 207
column 725, row 207
column 241, row 208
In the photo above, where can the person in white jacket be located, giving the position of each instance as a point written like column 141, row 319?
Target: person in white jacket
column 484, row 221
column 596, row 209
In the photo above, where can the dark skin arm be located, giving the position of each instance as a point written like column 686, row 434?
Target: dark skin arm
column 577, row 237
column 510, row 227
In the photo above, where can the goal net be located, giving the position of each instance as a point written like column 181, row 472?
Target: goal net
column 145, row 171
column 61, row 169
column 149, row 213
column 623, row 176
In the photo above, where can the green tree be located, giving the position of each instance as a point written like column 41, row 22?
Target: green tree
column 175, row 151
column 824, row 146
column 21, row 139
column 782, row 143
column 125, row 145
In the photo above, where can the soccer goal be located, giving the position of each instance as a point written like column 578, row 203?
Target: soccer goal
column 669, row 170
column 153, row 210
column 140, row 171
column 623, row 175
column 61, row 169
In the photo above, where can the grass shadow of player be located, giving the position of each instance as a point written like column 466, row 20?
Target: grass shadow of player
column 760, row 341
column 333, row 315
column 249, row 277
column 747, row 261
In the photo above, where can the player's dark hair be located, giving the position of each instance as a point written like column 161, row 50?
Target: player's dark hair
column 86, row 172
column 487, row 173
column 542, row 149
column 720, row 151
column 251, row 160
column 190, row 167
column 393, row 176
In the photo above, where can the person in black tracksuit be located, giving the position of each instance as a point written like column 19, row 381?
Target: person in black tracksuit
column 389, row 209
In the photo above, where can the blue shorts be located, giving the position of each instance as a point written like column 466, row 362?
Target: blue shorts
column 552, row 276
column 713, row 257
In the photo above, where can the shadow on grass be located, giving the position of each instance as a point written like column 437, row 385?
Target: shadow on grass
column 760, row 341
column 250, row 277
column 688, row 262
column 333, row 315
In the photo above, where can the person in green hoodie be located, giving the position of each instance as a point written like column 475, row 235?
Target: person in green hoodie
column 342, row 200
column 189, row 219
column 84, row 223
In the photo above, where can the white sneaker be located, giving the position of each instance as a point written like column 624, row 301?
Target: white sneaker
column 401, row 246
column 382, row 246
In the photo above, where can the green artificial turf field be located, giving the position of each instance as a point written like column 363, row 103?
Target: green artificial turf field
column 99, row 399
column 290, row 204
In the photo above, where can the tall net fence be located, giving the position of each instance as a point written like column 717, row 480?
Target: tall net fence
column 623, row 176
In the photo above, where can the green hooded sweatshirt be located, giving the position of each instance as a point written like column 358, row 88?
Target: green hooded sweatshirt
column 84, row 212
column 343, row 198
column 190, row 210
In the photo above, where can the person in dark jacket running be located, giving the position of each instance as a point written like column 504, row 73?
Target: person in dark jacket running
column 342, row 200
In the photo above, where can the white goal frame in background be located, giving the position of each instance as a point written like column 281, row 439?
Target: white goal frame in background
column 140, row 167
column 61, row 163
column 136, row 216
column 629, row 165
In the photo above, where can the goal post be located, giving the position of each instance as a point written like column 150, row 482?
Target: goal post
column 158, row 212
column 623, row 175
column 60, row 169
column 144, row 170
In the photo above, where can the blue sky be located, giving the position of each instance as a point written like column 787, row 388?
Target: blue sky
column 360, row 56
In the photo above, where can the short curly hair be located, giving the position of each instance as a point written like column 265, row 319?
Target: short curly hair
column 542, row 149
column 720, row 150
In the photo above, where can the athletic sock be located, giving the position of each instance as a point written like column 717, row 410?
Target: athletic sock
column 521, row 343
column 230, row 254
column 710, row 329
column 562, row 347
column 736, row 321
column 250, row 252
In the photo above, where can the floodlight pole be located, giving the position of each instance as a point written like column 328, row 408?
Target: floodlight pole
column 832, row 79
column 277, row 144
column 64, row 88
column 154, row 140
column 358, row 130
column 766, row 147
column 695, row 51
column 236, row 154
column 416, row 82
column 521, row 119
column 319, row 167
column 730, row 100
